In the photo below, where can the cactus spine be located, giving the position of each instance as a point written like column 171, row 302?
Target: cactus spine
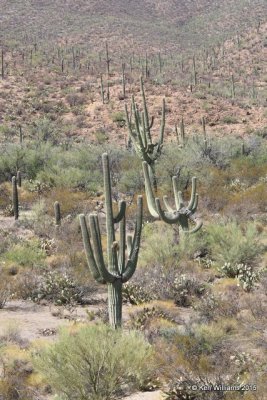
column 140, row 134
column 118, row 269
column 15, row 198
column 57, row 213
column 181, row 215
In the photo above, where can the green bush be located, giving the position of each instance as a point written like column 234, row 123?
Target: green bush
column 185, row 289
column 26, row 254
column 230, row 243
column 158, row 248
column 95, row 363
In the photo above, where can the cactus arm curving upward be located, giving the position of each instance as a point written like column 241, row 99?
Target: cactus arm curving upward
column 140, row 133
column 162, row 127
column 89, row 251
column 181, row 215
column 121, row 213
column 135, row 245
column 149, row 192
column 122, row 245
column 129, row 245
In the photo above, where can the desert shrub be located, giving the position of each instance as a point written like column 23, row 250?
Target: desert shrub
column 13, row 379
column 213, row 307
column 29, row 160
column 249, row 169
column 26, row 253
column 143, row 318
column 11, row 334
column 230, row 243
column 58, row 288
column 44, row 130
column 185, row 289
column 158, row 247
column 95, row 363
column 156, row 281
column 76, row 99
column 192, row 246
column 26, row 284
column 229, row 119
column 198, row 357
column 5, row 291
column 247, row 277
column 5, row 192
column 135, row 294
column 119, row 118
column 249, row 201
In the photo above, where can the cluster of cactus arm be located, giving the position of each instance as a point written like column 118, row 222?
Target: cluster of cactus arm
column 118, row 269
column 181, row 214
column 140, row 132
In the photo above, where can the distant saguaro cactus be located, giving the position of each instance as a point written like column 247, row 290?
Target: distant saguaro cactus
column 2, row 64
column 140, row 133
column 57, row 213
column 15, row 198
column 118, row 269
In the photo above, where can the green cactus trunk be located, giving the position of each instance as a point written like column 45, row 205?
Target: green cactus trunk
column 15, row 199
column 57, row 213
column 19, row 178
column 115, row 303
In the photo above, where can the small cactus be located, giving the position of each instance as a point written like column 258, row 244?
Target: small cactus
column 15, row 199
column 57, row 213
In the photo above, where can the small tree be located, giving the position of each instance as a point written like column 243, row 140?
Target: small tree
column 95, row 362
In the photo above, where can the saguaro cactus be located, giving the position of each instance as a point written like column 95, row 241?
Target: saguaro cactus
column 19, row 178
column 57, row 213
column 15, row 199
column 118, row 269
column 140, row 134
column 182, row 214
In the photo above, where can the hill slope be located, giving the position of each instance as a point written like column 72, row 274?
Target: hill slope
column 175, row 24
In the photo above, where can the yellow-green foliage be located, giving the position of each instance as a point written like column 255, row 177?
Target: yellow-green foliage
column 157, row 245
column 95, row 362
column 26, row 253
column 234, row 244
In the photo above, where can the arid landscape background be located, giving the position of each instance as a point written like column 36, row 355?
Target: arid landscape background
column 199, row 301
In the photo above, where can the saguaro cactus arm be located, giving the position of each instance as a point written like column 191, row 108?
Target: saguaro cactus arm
column 135, row 245
column 140, row 133
column 180, row 215
column 121, row 212
column 89, row 251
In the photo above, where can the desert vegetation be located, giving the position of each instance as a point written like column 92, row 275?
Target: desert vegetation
column 133, row 200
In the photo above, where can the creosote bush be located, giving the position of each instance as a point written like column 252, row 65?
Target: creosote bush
column 231, row 243
column 26, row 253
column 95, row 363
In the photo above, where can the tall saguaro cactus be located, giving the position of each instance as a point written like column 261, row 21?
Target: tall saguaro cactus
column 181, row 214
column 140, row 133
column 118, row 269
